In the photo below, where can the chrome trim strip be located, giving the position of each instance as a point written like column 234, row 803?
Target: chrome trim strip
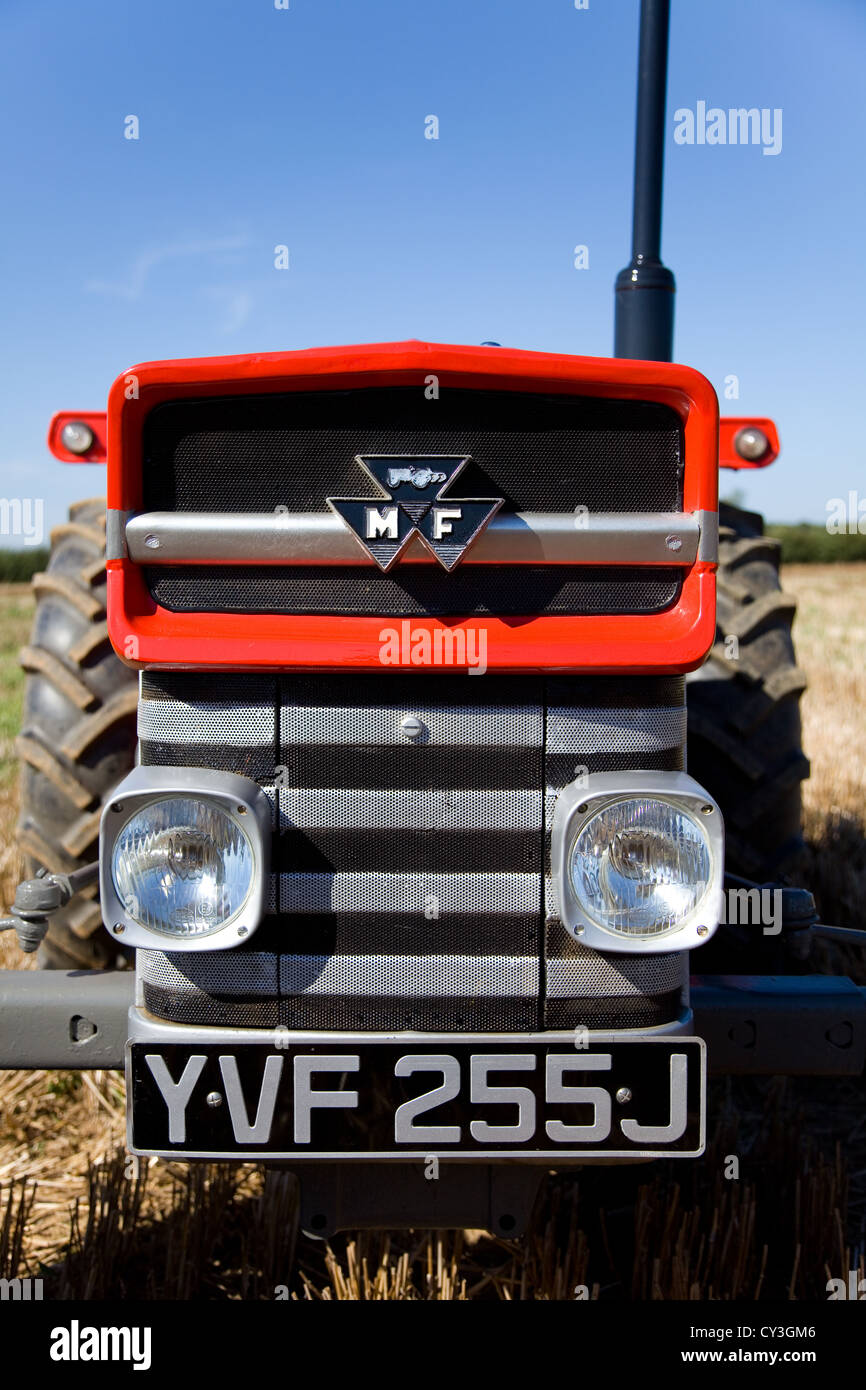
column 116, row 522
column 313, row 538
column 708, row 545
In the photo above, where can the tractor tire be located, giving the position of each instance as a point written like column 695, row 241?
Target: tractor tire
column 78, row 733
column 744, row 730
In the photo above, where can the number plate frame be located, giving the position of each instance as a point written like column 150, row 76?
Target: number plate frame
column 640, row 1085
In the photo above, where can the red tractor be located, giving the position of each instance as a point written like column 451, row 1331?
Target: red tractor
column 355, row 760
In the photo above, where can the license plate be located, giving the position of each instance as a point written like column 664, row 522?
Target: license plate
column 384, row 1099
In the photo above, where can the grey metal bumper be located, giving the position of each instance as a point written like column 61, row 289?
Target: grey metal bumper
column 64, row 1019
column 809, row 1025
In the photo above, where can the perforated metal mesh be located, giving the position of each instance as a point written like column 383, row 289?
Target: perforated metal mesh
column 580, row 971
column 207, row 721
column 413, row 591
column 457, row 727
column 410, row 893
column 409, row 883
column 542, row 452
column 411, row 977
column 632, row 731
column 431, row 810
column 231, row 973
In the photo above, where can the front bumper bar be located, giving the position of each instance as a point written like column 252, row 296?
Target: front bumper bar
column 796, row 1025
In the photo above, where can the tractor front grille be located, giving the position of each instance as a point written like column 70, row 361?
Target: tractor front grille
column 410, row 878
column 292, row 450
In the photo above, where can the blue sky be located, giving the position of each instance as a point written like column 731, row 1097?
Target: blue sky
column 305, row 127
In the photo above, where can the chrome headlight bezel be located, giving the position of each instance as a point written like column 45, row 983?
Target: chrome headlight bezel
column 578, row 803
column 238, row 797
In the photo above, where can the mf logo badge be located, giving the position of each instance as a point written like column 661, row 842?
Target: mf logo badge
column 412, row 503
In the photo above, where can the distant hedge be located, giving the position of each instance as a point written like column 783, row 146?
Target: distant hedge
column 19, row 566
column 814, row 545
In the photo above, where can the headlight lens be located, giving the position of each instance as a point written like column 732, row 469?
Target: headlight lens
column 182, row 866
column 640, row 867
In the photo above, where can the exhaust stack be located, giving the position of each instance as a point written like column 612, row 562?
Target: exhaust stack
column 644, row 294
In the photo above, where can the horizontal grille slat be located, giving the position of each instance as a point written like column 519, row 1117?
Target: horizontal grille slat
column 433, row 810
column 208, row 722
column 409, row 850
column 376, row 892
column 443, row 767
column 455, row 727
column 412, row 977
column 614, row 731
column 360, row 933
column 587, row 972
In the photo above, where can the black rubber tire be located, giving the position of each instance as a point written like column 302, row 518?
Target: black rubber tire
column 78, row 732
column 744, row 729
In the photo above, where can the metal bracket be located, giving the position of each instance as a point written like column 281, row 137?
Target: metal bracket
column 64, row 1019
column 768, row 1025
column 368, row 1196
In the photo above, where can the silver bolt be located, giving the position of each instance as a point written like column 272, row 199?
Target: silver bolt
column 118, row 806
column 119, row 928
column 412, row 726
column 751, row 443
column 152, row 542
column 703, row 931
column 242, row 931
column 214, row 1099
column 674, row 542
column 623, row 1095
column 76, row 437
column 579, row 929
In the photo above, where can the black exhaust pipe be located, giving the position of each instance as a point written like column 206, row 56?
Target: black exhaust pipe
column 644, row 295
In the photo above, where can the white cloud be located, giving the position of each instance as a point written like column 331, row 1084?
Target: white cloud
column 133, row 286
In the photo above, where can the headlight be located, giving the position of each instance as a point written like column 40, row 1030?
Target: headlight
column 637, row 861
column 184, row 858
column 640, row 867
column 183, row 866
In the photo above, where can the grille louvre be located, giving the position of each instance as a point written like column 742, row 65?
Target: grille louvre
column 411, row 883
